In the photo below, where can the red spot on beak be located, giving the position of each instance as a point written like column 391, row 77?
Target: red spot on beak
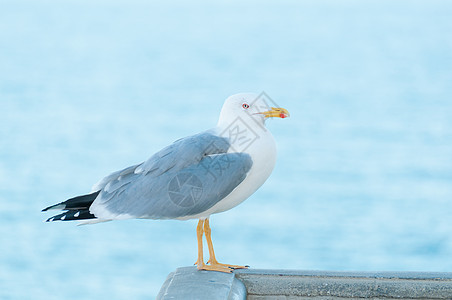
column 282, row 115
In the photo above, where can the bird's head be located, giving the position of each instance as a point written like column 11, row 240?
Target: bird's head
column 248, row 107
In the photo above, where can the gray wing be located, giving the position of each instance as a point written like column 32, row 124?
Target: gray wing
column 178, row 155
column 184, row 152
column 185, row 178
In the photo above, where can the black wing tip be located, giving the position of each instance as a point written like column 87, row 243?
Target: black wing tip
column 77, row 203
column 60, row 205
column 72, row 215
column 76, row 208
column 46, row 209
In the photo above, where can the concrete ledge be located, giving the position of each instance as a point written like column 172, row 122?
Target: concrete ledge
column 284, row 284
column 189, row 283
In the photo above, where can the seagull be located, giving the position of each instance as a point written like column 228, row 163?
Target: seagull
column 193, row 178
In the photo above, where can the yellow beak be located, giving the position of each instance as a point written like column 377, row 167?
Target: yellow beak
column 276, row 112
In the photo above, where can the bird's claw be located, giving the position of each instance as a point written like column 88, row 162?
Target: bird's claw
column 216, row 266
column 233, row 267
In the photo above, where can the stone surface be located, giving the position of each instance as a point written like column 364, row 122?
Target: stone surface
column 189, row 283
column 283, row 284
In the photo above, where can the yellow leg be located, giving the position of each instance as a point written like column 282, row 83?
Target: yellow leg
column 199, row 233
column 200, row 262
column 212, row 260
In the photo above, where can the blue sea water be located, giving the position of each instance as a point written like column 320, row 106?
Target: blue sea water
column 363, row 179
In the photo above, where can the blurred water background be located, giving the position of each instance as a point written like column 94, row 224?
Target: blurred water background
column 364, row 173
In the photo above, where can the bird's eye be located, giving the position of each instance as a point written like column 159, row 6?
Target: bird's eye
column 245, row 106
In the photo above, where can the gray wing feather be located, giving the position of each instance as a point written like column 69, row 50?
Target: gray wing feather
column 173, row 194
column 183, row 179
column 112, row 177
column 181, row 153
column 184, row 152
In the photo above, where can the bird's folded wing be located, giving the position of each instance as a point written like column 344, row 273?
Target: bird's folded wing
column 175, row 193
column 184, row 152
column 181, row 153
column 184, row 179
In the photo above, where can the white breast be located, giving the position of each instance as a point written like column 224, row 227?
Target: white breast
column 263, row 154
